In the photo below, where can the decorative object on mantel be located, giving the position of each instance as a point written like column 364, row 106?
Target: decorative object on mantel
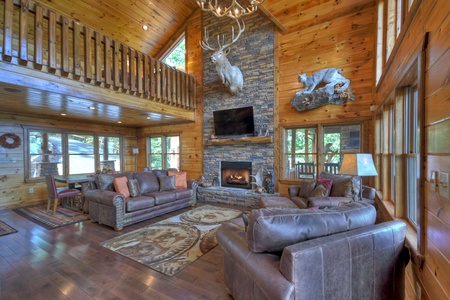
column 259, row 181
column 10, row 140
column 235, row 10
column 231, row 76
column 336, row 90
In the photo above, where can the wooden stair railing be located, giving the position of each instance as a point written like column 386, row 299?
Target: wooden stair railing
column 53, row 43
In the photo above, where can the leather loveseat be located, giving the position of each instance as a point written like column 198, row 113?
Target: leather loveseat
column 158, row 193
column 343, row 189
column 334, row 253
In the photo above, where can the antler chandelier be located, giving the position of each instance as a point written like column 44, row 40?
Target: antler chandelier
column 235, row 10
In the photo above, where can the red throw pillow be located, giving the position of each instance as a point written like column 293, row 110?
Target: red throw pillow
column 121, row 186
column 180, row 179
column 327, row 183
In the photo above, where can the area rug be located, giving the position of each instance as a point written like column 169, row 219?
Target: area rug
column 39, row 215
column 171, row 245
column 6, row 229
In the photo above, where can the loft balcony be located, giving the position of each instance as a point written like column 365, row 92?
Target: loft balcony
column 73, row 66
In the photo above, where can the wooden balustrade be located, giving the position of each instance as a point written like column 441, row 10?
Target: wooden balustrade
column 50, row 42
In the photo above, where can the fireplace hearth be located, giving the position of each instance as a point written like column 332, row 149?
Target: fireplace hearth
column 236, row 174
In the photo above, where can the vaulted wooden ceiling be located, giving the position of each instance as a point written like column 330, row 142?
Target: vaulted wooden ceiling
column 122, row 20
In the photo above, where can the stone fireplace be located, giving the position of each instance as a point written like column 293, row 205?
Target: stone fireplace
column 256, row 42
column 236, row 174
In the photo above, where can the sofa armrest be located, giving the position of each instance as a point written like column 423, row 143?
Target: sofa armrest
column 368, row 192
column 105, row 197
column 293, row 190
column 323, row 202
column 366, row 257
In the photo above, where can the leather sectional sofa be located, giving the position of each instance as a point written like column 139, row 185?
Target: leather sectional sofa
column 157, row 195
column 334, row 253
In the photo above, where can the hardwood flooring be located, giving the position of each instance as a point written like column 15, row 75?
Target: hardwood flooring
column 69, row 263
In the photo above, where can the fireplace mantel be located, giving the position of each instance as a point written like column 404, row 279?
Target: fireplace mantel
column 242, row 140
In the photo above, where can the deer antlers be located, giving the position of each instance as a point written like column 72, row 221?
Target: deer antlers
column 205, row 44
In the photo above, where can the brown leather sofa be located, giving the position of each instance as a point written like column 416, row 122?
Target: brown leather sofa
column 106, row 206
column 342, row 190
column 334, row 253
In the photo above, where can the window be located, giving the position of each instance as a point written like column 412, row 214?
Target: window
column 176, row 56
column 301, row 157
column 109, row 153
column 59, row 153
column 163, row 152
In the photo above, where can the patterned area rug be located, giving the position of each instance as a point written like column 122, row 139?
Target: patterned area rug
column 6, row 229
column 39, row 215
column 171, row 245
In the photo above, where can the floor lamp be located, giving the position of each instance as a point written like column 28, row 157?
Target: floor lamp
column 358, row 164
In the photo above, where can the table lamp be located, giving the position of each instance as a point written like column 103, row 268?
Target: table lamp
column 358, row 164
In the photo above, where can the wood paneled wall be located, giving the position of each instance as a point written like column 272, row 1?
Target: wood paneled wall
column 433, row 17
column 192, row 133
column 14, row 192
column 346, row 42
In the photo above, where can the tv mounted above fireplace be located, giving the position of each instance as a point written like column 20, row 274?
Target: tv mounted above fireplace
column 236, row 122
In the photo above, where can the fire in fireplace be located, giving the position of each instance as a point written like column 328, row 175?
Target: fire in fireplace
column 236, row 174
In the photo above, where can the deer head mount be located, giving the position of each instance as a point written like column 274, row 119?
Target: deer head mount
column 231, row 75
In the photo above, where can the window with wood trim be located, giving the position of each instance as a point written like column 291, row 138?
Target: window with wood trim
column 163, row 152
column 302, row 159
column 176, row 55
column 56, row 152
column 391, row 17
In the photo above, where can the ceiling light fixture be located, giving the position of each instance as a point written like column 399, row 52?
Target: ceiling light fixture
column 92, row 107
column 235, row 10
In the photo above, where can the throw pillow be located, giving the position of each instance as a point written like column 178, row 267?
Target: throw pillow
column 148, row 182
column 327, row 183
column 167, row 183
column 133, row 187
column 319, row 191
column 343, row 188
column 180, row 179
column 121, row 186
column 306, row 188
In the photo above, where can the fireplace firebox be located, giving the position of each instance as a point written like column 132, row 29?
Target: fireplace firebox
column 236, row 174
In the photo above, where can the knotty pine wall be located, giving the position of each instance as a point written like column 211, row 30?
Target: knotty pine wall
column 432, row 16
column 13, row 188
column 191, row 133
column 346, row 41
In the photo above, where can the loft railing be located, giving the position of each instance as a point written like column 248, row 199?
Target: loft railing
column 50, row 42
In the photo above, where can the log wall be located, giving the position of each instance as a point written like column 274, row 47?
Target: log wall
column 432, row 16
column 346, row 41
column 191, row 134
column 14, row 191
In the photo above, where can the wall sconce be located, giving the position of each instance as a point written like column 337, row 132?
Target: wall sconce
column 135, row 150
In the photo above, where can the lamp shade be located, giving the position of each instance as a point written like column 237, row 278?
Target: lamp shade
column 360, row 164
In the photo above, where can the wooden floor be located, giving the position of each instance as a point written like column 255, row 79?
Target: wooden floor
column 69, row 263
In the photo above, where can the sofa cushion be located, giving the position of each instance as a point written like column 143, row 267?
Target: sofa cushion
column 138, row 203
column 163, row 197
column 183, row 193
column 121, row 186
column 133, row 187
column 166, row 183
column 148, row 182
column 306, row 188
column 326, row 182
column 270, row 230
column 180, row 179
column 159, row 173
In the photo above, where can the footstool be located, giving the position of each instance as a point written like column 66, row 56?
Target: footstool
column 276, row 202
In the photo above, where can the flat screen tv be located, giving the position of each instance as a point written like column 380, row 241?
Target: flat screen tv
column 234, row 122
